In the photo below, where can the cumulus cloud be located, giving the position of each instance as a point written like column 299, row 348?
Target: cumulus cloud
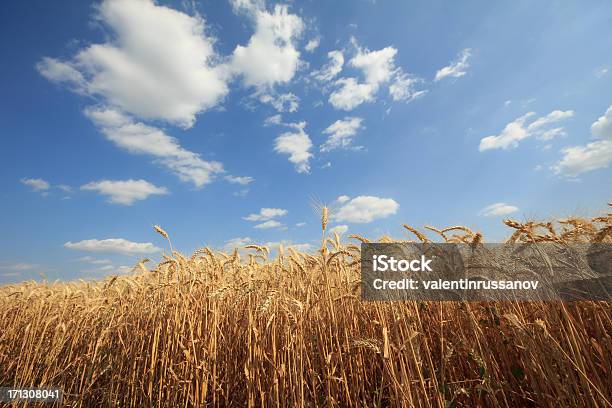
column 602, row 128
column 343, row 199
column 138, row 138
column 297, row 145
column 36, row 184
column 269, row 224
column 592, row 156
column 518, row 130
column 456, row 68
column 333, row 67
column 498, row 209
column 168, row 73
column 125, row 192
column 364, row 209
column 242, row 180
column 113, row 245
column 377, row 67
column 350, row 94
column 270, row 57
column 341, row 133
column 266, row 214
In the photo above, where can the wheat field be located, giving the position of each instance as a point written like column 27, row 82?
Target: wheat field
column 246, row 329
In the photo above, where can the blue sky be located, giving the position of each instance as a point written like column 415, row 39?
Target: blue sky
column 221, row 121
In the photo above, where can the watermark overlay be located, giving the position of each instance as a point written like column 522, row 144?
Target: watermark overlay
column 486, row 272
column 25, row 394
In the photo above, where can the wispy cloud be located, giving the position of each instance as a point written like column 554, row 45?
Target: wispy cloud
column 266, row 214
column 518, row 130
column 455, row 69
column 341, row 133
column 138, row 138
column 242, row 180
column 498, row 209
column 36, row 184
column 113, row 245
column 125, row 192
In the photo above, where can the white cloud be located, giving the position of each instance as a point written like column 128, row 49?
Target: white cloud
column 266, row 214
column 297, row 145
column 581, row 159
column 403, row 88
column 113, row 245
column 351, row 94
column 457, row 68
column 61, row 72
column 516, row 130
column 341, row 133
column 313, row 44
column 270, row 57
column 138, row 138
column 498, row 209
column 602, row 128
column 377, row 67
column 300, row 224
column 343, row 199
column 242, row 180
column 363, row 209
column 552, row 117
column 592, row 156
column 125, row 192
column 36, row 184
column 340, row 229
column 332, row 68
column 269, row 224
column 287, row 102
column 158, row 63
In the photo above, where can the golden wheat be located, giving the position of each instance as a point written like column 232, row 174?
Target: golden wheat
column 211, row 330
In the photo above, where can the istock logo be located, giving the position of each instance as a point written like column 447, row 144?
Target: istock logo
column 382, row 263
